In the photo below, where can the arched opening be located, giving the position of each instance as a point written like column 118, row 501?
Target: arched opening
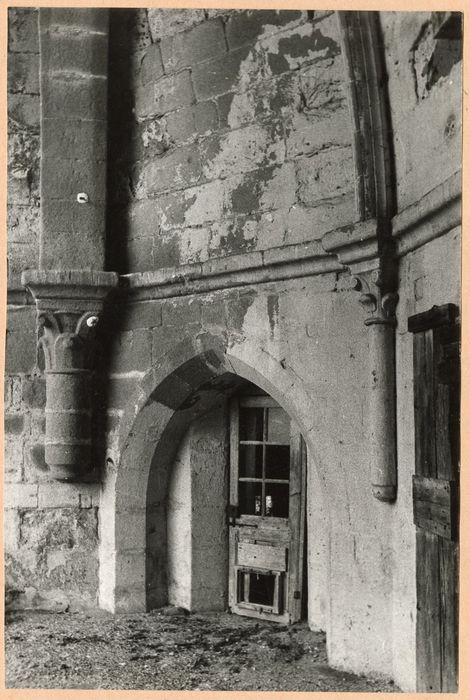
column 235, row 511
column 185, row 389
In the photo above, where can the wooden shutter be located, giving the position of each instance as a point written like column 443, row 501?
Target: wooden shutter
column 436, row 342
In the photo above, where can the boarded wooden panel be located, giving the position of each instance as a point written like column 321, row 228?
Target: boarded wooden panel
column 261, row 556
column 428, row 632
column 448, row 564
column 297, row 522
column 425, row 449
column 435, row 495
column 435, row 506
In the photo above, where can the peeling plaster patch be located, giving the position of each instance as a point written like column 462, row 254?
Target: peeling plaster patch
column 432, row 59
column 233, row 237
column 155, row 134
column 194, row 244
column 243, row 150
column 206, row 203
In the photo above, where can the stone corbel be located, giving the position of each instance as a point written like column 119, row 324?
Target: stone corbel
column 369, row 259
column 69, row 306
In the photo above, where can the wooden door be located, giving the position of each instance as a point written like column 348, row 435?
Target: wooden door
column 266, row 511
column 435, row 495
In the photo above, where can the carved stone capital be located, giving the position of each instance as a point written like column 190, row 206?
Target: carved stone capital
column 377, row 297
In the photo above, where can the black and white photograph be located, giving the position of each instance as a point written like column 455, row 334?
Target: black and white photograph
column 232, row 365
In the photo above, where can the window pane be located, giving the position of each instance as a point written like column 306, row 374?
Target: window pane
column 277, row 500
column 249, row 498
column 278, row 426
column 277, row 461
column 251, row 424
column 251, row 461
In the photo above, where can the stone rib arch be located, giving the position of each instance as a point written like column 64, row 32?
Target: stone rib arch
column 152, row 427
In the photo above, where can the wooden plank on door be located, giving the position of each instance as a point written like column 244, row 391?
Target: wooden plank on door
column 449, row 567
column 261, row 556
column 425, row 446
column 428, row 633
column 296, row 523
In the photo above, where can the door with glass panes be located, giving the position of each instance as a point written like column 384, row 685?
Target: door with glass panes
column 266, row 511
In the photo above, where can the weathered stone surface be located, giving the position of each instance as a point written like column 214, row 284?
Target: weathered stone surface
column 215, row 78
column 85, row 100
column 132, row 351
column 23, row 224
column 175, row 170
column 120, row 390
column 14, row 460
column 193, row 122
column 23, row 30
column 144, row 314
column 245, row 27
column 11, row 530
column 168, row 93
column 14, row 423
column 23, row 73
column 20, row 496
column 178, row 313
column 34, row 392
column 24, row 109
column 326, row 175
column 74, row 136
column 152, row 65
column 56, row 495
column 167, row 22
column 196, row 45
column 56, row 566
column 242, row 151
column 68, row 177
column 20, row 352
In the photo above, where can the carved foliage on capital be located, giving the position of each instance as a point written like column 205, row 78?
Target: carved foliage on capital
column 377, row 297
column 67, row 339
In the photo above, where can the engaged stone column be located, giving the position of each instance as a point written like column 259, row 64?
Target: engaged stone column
column 367, row 252
column 68, row 324
column 71, row 285
column 380, row 305
column 74, row 90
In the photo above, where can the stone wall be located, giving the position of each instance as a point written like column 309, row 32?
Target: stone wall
column 237, row 135
column 23, row 142
column 197, row 523
column 425, row 85
column 51, row 529
column 230, row 134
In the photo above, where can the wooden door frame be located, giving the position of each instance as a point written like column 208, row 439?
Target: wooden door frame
column 292, row 579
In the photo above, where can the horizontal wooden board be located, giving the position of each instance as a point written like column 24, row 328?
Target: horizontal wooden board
column 261, row 556
column 435, row 507
column 435, row 490
column 437, row 316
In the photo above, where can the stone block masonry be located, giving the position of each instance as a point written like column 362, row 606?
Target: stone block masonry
column 23, row 143
column 228, row 112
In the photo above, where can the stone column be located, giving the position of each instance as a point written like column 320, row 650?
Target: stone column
column 67, row 340
column 74, row 93
column 366, row 252
column 380, row 306
column 71, row 284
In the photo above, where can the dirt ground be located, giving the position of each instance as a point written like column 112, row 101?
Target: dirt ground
column 170, row 650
